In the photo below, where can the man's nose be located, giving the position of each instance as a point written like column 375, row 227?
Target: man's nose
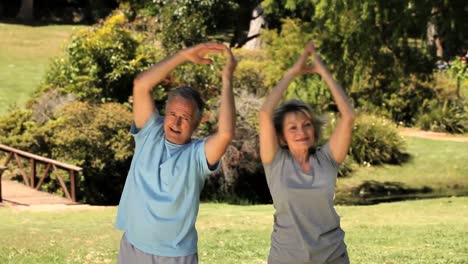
column 178, row 121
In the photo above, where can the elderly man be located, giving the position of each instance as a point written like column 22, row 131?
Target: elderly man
column 160, row 200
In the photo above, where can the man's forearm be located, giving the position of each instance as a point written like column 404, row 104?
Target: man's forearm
column 227, row 112
column 158, row 72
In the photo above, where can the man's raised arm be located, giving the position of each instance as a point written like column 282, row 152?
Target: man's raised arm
column 143, row 103
column 217, row 143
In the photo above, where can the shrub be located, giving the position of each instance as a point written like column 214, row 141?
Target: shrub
column 376, row 141
column 19, row 131
column 447, row 116
column 101, row 62
column 242, row 178
column 96, row 138
column 180, row 27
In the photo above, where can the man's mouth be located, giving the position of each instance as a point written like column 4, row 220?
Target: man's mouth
column 174, row 130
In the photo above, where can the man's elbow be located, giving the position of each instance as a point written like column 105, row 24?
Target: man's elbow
column 227, row 136
column 350, row 117
column 139, row 85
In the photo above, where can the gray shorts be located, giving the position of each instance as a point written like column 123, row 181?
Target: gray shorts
column 129, row 254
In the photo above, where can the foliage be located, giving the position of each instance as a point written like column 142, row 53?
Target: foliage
column 96, row 138
column 283, row 49
column 250, row 76
column 371, row 61
column 446, row 116
column 182, row 23
column 19, row 131
column 242, row 178
column 180, row 27
column 101, row 62
column 376, row 141
column 459, row 71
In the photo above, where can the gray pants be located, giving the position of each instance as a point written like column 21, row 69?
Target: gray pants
column 131, row 255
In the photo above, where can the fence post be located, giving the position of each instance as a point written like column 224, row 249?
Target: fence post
column 2, row 169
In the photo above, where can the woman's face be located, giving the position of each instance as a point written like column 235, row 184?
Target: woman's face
column 298, row 131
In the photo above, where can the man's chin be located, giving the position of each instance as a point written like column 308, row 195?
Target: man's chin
column 176, row 140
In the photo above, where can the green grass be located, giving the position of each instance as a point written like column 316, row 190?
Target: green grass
column 25, row 52
column 423, row 231
column 437, row 164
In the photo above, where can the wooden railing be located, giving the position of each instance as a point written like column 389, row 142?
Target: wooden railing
column 34, row 160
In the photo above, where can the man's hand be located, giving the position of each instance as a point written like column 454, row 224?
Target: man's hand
column 197, row 53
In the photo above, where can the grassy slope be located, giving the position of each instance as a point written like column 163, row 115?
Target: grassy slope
column 424, row 231
column 440, row 165
column 25, row 52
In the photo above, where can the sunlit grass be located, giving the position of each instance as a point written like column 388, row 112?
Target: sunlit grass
column 424, row 231
column 437, row 164
column 25, row 52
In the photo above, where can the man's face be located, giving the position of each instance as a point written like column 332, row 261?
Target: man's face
column 180, row 120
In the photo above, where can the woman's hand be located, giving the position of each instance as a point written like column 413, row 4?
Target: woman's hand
column 301, row 64
column 197, row 53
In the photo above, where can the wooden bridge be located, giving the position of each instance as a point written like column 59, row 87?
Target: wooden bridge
column 17, row 193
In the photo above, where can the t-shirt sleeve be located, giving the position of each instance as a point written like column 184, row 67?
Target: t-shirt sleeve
column 277, row 161
column 202, row 163
column 324, row 154
column 154, row 125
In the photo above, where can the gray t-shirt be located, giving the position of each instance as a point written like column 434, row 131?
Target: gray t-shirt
column 306, row 226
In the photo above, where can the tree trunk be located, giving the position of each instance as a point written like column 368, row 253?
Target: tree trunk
column 26, row 12
column 256, row 24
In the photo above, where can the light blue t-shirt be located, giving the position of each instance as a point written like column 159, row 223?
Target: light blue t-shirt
column 160, row 200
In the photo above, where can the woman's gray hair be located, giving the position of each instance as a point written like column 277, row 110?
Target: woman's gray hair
column 294, row 106
column 189, row 93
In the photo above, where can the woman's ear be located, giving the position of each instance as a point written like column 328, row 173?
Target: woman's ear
column 282, row 141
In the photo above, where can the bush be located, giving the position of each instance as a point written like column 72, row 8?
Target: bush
column 401, row 103
column 180, row 27
column 242, row 178
column 101, row 62
column 447, row 116
column 376, row 141
column 96, row 138
column 19, row 131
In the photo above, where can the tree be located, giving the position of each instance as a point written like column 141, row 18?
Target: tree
column 26, row 11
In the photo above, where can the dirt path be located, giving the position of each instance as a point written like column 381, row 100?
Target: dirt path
column 412, row 132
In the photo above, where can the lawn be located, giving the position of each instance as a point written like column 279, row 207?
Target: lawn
column 436, row 164
column 422, row 231
column 25, row 52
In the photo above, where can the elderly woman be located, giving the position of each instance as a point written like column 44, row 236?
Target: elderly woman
column 301, row 177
